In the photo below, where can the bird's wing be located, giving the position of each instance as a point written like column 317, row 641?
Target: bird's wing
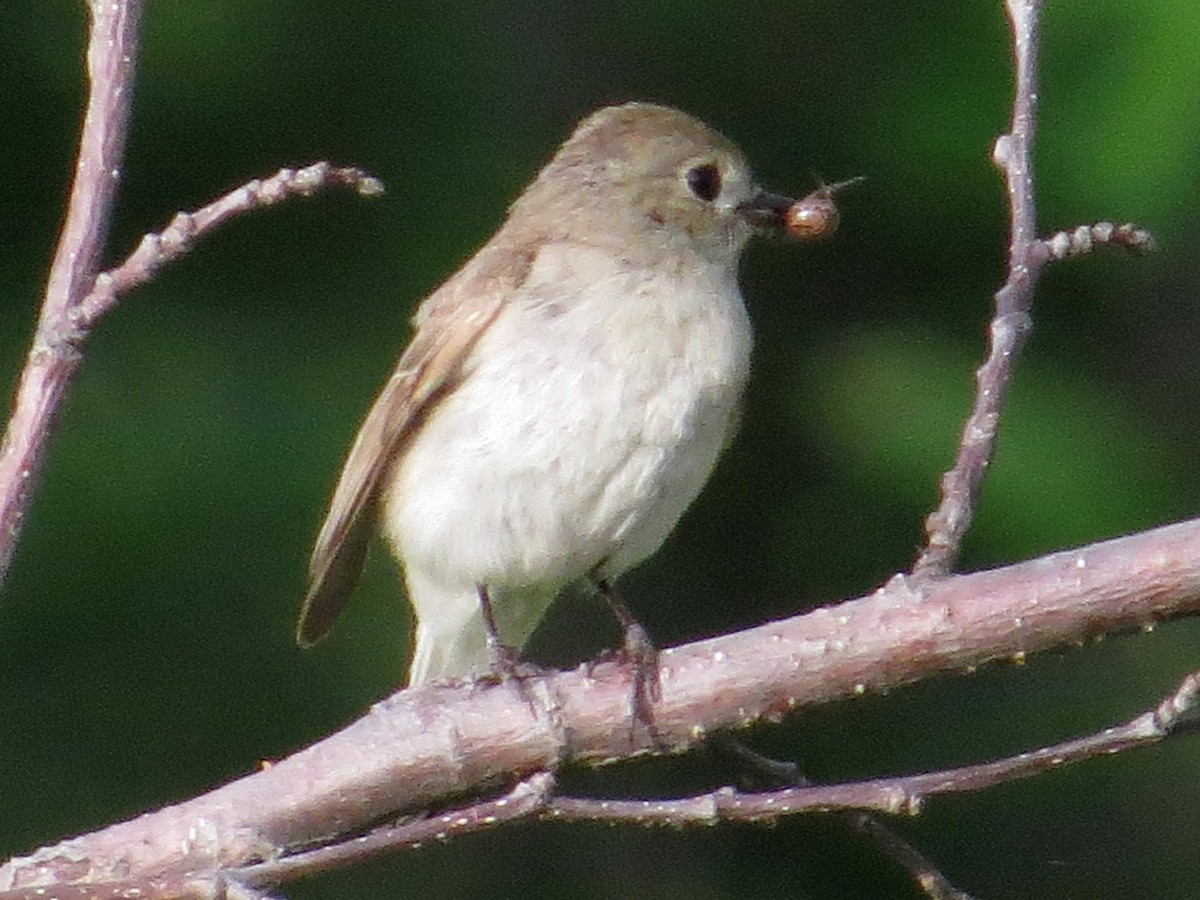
column 448, row 324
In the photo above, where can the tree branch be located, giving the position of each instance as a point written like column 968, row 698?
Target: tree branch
column 420, row 748
column 185, row 230
column 76, row 297
column 426, row 749
column 53, row 358
column 1011, row 324
column 948, row 524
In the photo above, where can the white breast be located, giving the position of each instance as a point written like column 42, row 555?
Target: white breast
column 587, row 419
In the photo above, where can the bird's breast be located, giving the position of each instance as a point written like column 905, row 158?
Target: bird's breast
column 587, row 418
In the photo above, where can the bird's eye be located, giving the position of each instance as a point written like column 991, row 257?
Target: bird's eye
column 705, row 181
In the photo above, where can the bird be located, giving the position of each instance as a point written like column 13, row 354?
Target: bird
column 564, row 396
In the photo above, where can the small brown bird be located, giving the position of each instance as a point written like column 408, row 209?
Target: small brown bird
column 566, row 393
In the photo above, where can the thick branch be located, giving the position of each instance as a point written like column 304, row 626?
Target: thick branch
column 419, row 748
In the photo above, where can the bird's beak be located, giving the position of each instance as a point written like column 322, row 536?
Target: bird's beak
column 767, row 210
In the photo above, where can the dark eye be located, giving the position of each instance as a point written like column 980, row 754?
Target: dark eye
column 705, row 181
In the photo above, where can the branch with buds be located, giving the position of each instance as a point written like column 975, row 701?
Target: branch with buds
column 320, row 808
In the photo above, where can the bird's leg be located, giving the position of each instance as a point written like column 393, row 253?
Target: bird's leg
column 638, row 651
column 507, row 664
column 505, row 661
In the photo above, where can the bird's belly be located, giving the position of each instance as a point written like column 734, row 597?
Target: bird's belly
column 579, row 449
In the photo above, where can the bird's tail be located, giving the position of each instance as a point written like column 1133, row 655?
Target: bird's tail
column 449, row 639
column 441, row 655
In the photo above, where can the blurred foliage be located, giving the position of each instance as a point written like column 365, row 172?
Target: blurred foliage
column 145, row 632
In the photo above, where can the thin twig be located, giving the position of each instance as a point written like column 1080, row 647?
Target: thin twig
column 1010, row 327
column 53, row 359
column 903, row 853
column 76, row 297
column 74, row 306
column 186, row 229
column 1176, row 714
column 527, row 798
column 1027, row 256
column 1066, row 244
column 524, row 800
column 922, row 870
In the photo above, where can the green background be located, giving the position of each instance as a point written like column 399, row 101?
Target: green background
column 145, row 631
